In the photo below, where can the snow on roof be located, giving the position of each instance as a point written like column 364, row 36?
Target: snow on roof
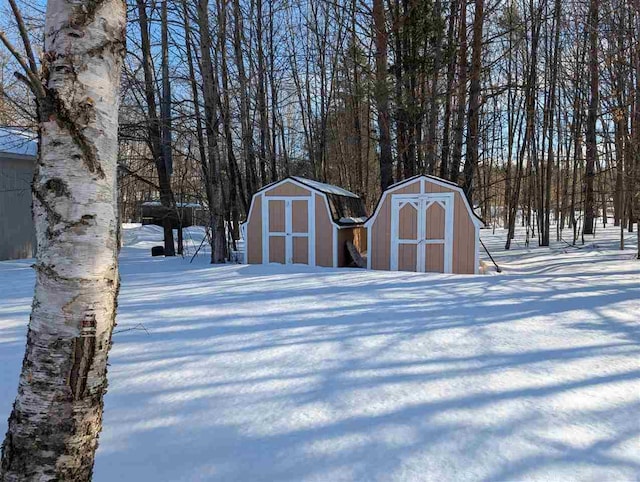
column 350, row 220
column 180, row 205
column 326, row 188
column 18, row 141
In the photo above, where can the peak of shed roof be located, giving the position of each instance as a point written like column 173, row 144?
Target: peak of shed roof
column 433, row 179
column 19, row 142
column 345, row 207
column 325, row 188
column 426, row 176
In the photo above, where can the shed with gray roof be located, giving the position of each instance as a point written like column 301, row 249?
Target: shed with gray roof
column 298, row 220
column 18, row 153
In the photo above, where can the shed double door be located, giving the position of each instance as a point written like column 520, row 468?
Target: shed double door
column 422, row 232
column 289, row 230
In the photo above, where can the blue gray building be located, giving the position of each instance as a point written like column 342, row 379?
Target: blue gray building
column 18, row 151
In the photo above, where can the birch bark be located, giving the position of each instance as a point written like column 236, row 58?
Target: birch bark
column 57, row 416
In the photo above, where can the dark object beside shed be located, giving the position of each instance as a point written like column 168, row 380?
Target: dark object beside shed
column 184, row 214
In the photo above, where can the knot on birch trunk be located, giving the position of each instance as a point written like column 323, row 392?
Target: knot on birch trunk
column 83, row 352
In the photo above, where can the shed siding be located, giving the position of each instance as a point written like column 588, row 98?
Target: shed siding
column 277, row 249
column 434, row 258
column 463, row 233
column 408, row 222
column 360, row 238
column 276, row 216
column 17, row 232
column 435, row 228
column 254, row 232
column 287, row 189
column 300, row 216
column 463, row 239
column 300, row 250
column 324, row 228
column 324, row 234
column 381, row 229
column 407, row 257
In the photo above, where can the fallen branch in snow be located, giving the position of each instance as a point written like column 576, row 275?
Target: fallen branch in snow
column 570, row 245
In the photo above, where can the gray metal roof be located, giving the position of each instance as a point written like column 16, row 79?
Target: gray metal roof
column 325, row 188
column 18, row 142
column 346, row 208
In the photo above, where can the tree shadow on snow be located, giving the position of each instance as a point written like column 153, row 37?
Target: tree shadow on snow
column 263, row 373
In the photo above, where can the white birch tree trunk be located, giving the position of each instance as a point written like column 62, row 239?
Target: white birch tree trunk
column 57, row 415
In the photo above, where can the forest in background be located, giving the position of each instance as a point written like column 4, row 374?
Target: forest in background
column 532, row 106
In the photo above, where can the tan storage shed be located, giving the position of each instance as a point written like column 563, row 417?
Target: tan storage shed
column 301, row 221
column 424, row 224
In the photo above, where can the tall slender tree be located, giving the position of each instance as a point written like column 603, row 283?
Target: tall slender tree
column 382, row 94
column 155, row 131
column 473, row 117
column 211, row 103
column 592, row 114
column 57, row 416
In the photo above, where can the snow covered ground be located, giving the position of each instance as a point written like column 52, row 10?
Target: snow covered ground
column 290, row 373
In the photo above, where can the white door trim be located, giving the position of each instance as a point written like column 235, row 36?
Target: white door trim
column 422, row 202
column 288, row 233
column 311, row 204
column 265, row 229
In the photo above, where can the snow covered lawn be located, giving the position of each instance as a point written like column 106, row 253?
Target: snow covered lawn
column 274, row 373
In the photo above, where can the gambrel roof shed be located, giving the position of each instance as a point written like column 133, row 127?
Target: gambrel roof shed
column 298, row 220
column 424, row 224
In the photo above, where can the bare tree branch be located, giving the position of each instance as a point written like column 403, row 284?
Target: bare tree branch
column 34, row 81
column 25, row 36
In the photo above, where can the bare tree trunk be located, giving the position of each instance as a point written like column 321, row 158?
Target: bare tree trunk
column 473, row 139
column 236, row 187
column 382, row 95
column 165, row 115
column 245, row 120
column 57, row 416
column 266, row 153
column 529, row 136
column 218, row 243
column 451, row 70
column 634, row 160
column 546, row 221
column 432, row 119
column 590, row 137
column 620, row 130
column 512, row 122
column 154, row 131
column 274, row 98
column 236, row 191
column 461, row 96
column 209, row 182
